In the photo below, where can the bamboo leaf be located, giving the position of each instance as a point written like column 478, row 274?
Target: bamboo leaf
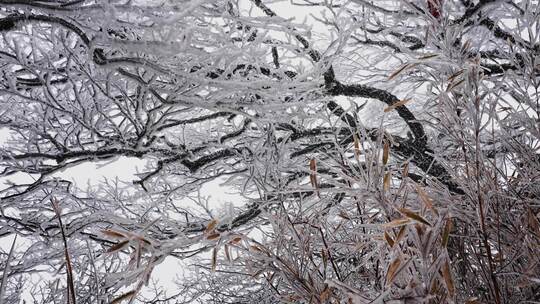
column 446, row 232
column 312, row 165
column 400, row 234
column 344, row 215
column 395, row 105
column 389, row 239
column 386, row 152
column 236, row 240
column 313, row 175
column 211, row 226
column 412, row 215
column 255, row 248
column 453, row 85
column 118, row 246
column 213, row 236
column 426, row 199
column 456, row 74
column 448, row 279
column 401, row 69
column 126, row 296
column 405, row 171
column 214, row 259
column 356, row 146
column 112, row 233
column 386, row 181
column 392, row 271
column 324, row 255
column 325, row 294
column 534, row 224
column 466, row 46
column 428, row 56
column 397, row 223
column 227, row 252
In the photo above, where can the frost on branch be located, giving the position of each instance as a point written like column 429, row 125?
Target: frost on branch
column 380, row 151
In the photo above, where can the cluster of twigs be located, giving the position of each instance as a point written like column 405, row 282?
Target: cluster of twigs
column 396, row 162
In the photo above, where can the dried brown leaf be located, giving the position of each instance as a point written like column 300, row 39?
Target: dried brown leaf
column 255, row 248
column 313, row 175
column 117, row 246
column 446, row 232
column 389, row 239
column 395, row 105
column 534, row 224
column 400, row 234
column 386, row 181
column 214, row 259
column 227, row 252
column 386, row 152
column 211, row 226
column 405, row 172
column 141, row 239
column 236, row 240
column 398, row 71
column 447, row 275
column 419, row 229
column 312, row 165
column 324, row 255
column 356, row 146
column 213, row 236
column 456, row 74
column 392, row 270
column 114, row 234
column 426, row 199
column 344, row 215
column 412, row 215
column 325, row 294
column 453, row 85
column 397, row 223
column 466, row 46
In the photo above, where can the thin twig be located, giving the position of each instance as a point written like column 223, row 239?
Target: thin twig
column 3, row 284
column 69, row 269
